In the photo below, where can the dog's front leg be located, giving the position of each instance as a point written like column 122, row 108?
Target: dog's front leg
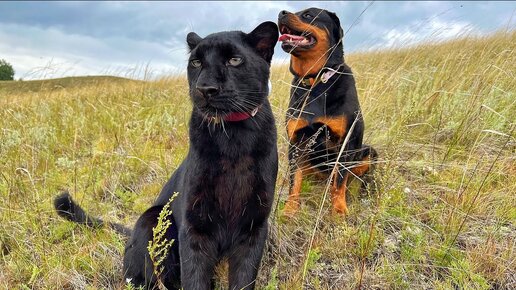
column 292, row 204
column 245, row 260
column 338, row 192
column 197, row 254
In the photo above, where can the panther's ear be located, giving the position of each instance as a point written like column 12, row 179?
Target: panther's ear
column 337, row 31
column 263, row 38
column 193, row 40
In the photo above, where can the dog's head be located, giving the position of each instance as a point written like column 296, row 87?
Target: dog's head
column 312, row 35
column 229, row 71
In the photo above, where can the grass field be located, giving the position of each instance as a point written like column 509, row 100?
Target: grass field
column 442, row 117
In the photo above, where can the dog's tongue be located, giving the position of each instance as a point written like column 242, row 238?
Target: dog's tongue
column 291, row 37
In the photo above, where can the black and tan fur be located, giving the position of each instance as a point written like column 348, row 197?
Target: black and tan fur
column 323, row 115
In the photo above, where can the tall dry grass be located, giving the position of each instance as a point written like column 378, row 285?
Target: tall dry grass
column 440, row 115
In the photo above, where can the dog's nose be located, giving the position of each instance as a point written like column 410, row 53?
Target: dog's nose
column 282, row 13
column 208, row 91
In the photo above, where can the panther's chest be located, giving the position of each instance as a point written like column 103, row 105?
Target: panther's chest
column 229, row 198
column 234, row 186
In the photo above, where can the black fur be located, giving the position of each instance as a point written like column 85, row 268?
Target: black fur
column 138, row 267
column 68, row 209
column 226, row 183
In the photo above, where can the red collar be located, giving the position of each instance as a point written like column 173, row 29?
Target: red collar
column 237, row 116
column 240, row 116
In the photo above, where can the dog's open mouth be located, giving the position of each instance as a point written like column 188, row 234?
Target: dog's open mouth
column 292, row 39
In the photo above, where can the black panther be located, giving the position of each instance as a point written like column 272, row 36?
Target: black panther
column 226, row 182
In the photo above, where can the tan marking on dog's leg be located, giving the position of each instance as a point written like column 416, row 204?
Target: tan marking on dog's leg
column 336, row 124
column 362, row 167
column 338, row 195
column 292, row 204
column 293, row 125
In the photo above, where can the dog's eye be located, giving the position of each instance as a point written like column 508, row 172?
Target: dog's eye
column 234, row 61
column 308, row 16
column 195, row 62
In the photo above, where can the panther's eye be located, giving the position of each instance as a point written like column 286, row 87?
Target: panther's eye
column 196, row 62
column 308, row 16
column 234, row 61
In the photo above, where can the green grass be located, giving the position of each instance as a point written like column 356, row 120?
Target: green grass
column 440, row 115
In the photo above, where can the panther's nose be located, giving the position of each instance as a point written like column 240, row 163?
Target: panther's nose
column 208, row 91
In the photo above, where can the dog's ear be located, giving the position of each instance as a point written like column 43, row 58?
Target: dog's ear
column 193, row 40
column 263, row 39
column 337, row 30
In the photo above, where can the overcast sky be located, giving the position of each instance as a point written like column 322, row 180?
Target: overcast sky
column 56, row 39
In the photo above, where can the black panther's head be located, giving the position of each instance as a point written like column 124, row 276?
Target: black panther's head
column 312, row 36
column 228, row 72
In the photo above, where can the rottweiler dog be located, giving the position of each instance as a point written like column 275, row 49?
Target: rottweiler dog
column 324, row 122
column 226, row 182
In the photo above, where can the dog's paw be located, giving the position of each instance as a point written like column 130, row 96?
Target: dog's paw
column 340, row 207
column 291, row 208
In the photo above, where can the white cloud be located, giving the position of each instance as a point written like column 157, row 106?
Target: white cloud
column 76, row 38
column 432, row 30
column 36, row 52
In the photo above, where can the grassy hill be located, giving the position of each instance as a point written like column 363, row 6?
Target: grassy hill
column 14, row 87
column 440, row 115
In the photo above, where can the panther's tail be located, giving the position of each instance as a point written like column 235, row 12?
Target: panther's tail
column 68, row 209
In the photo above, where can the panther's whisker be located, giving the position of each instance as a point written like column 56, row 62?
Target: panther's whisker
column 223, row 127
